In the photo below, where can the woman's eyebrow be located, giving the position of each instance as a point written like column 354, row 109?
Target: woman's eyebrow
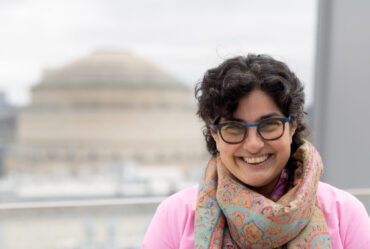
column 235, row 119
column 269, row 115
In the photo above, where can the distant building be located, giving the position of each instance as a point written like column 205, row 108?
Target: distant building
column 7, row 121
column 106, row 108
column 7, row 127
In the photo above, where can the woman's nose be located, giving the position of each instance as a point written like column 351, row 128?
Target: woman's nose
column 253, row 143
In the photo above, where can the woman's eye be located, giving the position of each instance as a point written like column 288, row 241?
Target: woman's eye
column 233, row 128
column 270, row 124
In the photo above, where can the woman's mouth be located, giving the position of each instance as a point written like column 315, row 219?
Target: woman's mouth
column 256, row 160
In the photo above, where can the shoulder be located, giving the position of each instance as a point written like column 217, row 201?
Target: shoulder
column 339, row 201
column 331, row 196
column 173, row 223
column 184, row 200
column 346, row 216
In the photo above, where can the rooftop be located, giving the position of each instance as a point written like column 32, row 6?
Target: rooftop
column 108, row 69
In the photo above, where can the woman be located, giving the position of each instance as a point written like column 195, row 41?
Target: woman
column 261, row 187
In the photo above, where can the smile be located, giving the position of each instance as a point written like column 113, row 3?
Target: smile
column 255, row 160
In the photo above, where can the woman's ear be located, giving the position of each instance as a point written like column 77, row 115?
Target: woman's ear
column 212, row 129
column 215, row 136
column 213, row 133
column 293, row 127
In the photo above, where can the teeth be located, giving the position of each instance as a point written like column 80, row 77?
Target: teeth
column 255, row 159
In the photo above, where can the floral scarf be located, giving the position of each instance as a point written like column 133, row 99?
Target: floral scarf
column 231, row 216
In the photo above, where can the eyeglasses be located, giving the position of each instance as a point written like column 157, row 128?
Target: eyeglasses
column 235, row 132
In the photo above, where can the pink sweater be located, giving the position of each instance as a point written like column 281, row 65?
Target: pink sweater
column 172, row 226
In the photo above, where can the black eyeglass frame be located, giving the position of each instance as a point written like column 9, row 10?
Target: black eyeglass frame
column 218, row 127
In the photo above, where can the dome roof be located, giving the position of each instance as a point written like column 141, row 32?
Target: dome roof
column 108, row 69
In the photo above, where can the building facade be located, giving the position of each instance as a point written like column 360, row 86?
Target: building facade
column 106, row 108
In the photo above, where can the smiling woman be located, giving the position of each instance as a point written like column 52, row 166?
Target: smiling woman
column 255, row 161
column 261, row 187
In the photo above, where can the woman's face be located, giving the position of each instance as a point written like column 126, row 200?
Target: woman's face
column 255, row 161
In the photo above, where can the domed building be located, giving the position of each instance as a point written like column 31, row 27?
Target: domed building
column 102, row 109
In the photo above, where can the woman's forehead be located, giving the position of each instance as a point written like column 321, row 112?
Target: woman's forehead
column 250, row 120
column 256, row 105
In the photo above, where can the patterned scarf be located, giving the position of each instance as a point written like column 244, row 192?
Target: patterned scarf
column 232, row 216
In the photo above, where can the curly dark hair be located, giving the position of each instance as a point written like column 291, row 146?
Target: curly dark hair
column 222, row 87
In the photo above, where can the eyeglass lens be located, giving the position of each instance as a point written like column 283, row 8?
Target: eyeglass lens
column 235, row 132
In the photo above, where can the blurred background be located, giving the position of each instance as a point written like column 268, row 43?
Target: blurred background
column 97, row 114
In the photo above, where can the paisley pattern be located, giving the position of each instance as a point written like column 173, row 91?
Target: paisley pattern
column 229, row 215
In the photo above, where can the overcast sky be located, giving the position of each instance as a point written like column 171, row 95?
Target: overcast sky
column 183, row 37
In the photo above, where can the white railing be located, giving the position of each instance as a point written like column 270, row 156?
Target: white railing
column 95, row 223
column 91, row 203
column 360, row 192
column 76, row 224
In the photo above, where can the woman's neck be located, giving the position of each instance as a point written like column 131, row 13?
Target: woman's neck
column 276, row 188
